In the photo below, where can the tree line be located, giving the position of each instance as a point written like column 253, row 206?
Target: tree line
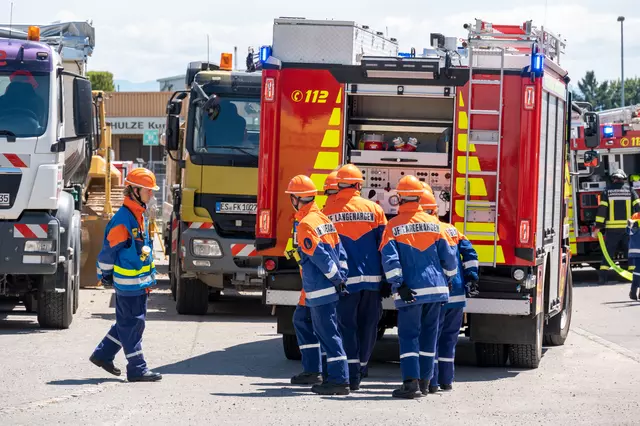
column 606, row 94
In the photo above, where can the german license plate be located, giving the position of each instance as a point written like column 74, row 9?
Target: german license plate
column 4, row 199
column 237, row 208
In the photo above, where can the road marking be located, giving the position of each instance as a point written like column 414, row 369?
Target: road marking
column 608, row 344
column 46, row 402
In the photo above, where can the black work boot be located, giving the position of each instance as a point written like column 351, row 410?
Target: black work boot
column 426, row 388
column 408, row 390
column 447, row 388
column 106, row 366
column 602, row 277
column 328, row 388
column 307, row 379
column 148, row 376
column 633, row 294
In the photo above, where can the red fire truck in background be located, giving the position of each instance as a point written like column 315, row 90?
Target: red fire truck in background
column 618, row 147
column 490, row 120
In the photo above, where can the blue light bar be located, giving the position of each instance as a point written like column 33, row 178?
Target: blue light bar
column 404, row 54
column 265, row 52
column 607, row 131
column 537, row 63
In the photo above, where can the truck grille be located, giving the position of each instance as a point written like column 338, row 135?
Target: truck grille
column 229, row 225
column 9, row 184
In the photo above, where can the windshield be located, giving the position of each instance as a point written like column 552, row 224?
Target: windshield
column 24, row 103
column 236, row 130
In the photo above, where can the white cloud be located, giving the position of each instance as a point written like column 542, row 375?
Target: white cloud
column 143, row 40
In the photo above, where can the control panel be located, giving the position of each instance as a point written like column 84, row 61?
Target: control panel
column 380, row 183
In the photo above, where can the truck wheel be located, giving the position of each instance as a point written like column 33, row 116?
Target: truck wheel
column 491, row 354
column 528, row 356
column 192, row 296
column 557, row 329
column 290, row 345
column 55, row 310
column 77, row 253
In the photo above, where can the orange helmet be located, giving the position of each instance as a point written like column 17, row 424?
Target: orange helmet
column 428, row 201
column 331, row 183
column 410, row 186
column 301, row 186
column 349, row 174
column 141, row 178
column 426, row 186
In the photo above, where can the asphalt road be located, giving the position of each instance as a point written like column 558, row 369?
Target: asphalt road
column 228, row 368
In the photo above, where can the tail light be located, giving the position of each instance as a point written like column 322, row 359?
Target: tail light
column 264, row 221
column 269, row 94
column 584, row 229
column 270, row 265
column 525, row 231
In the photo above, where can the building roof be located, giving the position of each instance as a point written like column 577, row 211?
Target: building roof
column 137, row 104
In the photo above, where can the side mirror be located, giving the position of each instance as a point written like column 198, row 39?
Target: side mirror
column 591, row 129
column 172, row 133
column 591, row 159
column 82, row 107
column 212, row 107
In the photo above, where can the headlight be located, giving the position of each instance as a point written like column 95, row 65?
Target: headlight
column 38, row 246
column 206, row 248
column 518, row 274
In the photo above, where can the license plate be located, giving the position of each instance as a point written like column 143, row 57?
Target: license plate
column 4, row 199
column 237, row 208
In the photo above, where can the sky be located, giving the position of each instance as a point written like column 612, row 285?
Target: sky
column 143, row 40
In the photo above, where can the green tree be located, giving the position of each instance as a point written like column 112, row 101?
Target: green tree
column 101, row 80
column 597, row 94
column 631, row 92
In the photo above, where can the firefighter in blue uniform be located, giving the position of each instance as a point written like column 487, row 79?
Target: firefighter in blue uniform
column 126, row 263
column 451, row 315
column 360, row 224
column 323, row 262
column 634, row 254
column 419, row 262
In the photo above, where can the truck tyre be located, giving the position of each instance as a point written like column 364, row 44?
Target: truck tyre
column 173, row 268
column 557, row 330
column 290, row 345
column 491, row 354
column 77, row 253
column 192, row 296
column 55, row 310
column 528, row 356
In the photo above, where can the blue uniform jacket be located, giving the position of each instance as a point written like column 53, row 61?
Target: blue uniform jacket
column 322, row 258
column 119, row 261
column 634, row 235
column 467, row 269
column 417, row 251
column 360, row 224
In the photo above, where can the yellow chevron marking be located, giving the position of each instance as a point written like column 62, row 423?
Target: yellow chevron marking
column 462, row 143
column 331, row 139
column 485, row 253
column 327, row 160
column 477, row 227
column 461, row 162
column 477, row 187
column 336, row 115
column 463, row 123
column 321, row 200
column 339, row 97
column 460, row 100
column 318, row 179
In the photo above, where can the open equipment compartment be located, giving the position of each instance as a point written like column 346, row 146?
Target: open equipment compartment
column 381, row 113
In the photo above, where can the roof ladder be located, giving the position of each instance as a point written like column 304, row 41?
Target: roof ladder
column 484, row 137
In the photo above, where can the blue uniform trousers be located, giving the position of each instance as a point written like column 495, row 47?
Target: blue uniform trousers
column 450, row 323
column 307, row 341
column 358, row 317
column 635, row 283
column 417, row 335
column 126, row 333
column 325, row 326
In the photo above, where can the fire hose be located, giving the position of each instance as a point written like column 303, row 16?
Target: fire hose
column 624, row 274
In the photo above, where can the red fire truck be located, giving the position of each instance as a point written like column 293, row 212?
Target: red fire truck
column 618, row 147
column 489, row 120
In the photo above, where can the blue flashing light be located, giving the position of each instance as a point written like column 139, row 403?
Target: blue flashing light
column 404, row 54
column 537, row 63
column 607, row 131
column 265, row 52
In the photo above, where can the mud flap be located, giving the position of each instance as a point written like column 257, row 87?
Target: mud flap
column 624, row 274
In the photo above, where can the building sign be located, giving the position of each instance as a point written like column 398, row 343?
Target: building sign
column 136, row 125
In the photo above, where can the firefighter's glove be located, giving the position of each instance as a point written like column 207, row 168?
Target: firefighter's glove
column 107, row 280
column 385, row 290
column 471, row 288
column 406, row 294
column 342, row 289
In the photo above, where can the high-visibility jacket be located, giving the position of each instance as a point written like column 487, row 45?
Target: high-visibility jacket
column 120, row 258
column 360, row 224
column 467, row 266
column 322, row 258
column 633, row 230
column 617, row 203
column 417, row 251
